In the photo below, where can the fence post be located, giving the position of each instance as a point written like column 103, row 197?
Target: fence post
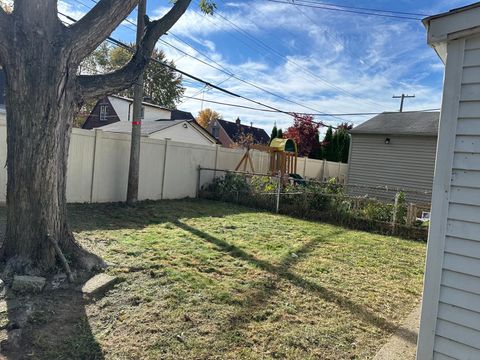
column 411, row 214
column 216, row 161
column 395, row 211
column 96, row 144
column 198, row 181
column 279, row 189
column 164, row 168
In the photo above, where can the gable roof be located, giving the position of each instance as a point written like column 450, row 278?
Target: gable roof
column 148, row 127
column 234, row 131
column 401, row 123
column 151, row 127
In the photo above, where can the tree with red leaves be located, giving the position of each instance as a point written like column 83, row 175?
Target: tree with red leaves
column 305, row 133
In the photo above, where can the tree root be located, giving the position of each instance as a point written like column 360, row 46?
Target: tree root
column 62, row 258
column 81, row 263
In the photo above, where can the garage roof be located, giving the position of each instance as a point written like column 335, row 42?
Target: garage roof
column 401, row 123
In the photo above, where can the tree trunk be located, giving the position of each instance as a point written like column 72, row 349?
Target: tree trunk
column 40, row 108
column 40, row 57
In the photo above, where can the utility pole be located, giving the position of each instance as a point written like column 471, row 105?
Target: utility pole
column 134, row 169
column 402, row 97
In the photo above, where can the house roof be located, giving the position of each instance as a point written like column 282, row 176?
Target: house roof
column 452, row 11
column 234, row 131
column 181, row 115
column 151, row 127
column 148, row 127
column 401, row 123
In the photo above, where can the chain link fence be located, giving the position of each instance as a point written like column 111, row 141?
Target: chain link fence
column 376, row 209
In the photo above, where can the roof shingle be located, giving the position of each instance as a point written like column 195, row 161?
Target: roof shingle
column 401, row 123
column 235, row 130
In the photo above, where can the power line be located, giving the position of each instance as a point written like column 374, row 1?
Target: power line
column 363, row 8
column 223, row 69
column 272, row 109
column 204, row 89
column 215, row 86
column 286, row 59
column 232, row 75
column 311, row 114
column 125, row 46
column 336, row 8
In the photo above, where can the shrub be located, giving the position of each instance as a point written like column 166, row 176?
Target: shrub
column 230, row 184
column 263, row 184
column 378, row 211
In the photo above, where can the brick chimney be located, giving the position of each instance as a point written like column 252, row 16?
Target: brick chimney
column 237, row 121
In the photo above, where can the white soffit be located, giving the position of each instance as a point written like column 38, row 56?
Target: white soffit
column 452, row 25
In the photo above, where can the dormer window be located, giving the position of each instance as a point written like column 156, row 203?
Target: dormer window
column 215, row 131
column 103, row 112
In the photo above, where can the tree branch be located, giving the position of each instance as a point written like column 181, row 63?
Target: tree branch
column 96, row 85
column 92, row 29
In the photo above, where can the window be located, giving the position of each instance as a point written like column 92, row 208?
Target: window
column 103, row 113
column 215, row 132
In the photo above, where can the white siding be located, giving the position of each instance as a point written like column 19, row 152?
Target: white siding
column 454, row 242
column 122, row 109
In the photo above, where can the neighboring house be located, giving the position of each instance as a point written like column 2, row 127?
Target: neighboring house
column 450, row 321
column 228, row 133
column 111, row 109
column 394, row 150
column 187, row 131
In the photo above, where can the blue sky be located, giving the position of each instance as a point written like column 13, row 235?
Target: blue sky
column 303, row 59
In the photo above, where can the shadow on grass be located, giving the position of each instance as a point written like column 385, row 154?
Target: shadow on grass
column 51, row 325
column 282, row 271
column 262, row 291
column 116, row 216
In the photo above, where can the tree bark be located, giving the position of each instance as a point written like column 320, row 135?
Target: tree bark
column 41, row 101
column 38, row 139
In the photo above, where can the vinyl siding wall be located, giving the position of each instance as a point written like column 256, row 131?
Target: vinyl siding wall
column 408, row 162
column 451, row 305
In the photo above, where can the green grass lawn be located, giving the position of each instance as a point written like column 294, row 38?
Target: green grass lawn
column 210, row 280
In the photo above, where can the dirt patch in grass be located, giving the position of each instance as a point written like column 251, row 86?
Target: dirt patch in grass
column 209, row 280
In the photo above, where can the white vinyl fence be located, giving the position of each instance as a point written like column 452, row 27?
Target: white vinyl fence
column 98, row 166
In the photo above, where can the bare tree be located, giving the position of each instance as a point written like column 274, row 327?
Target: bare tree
column 41, row 57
